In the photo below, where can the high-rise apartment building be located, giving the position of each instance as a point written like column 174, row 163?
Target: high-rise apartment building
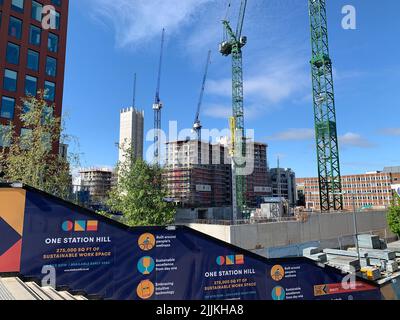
column 32, row 57
column 372, row 190
column 131, row 132
column 209, row 184
column 98, row 182
column 283, row 182
column 257, row 185
column 194, row 185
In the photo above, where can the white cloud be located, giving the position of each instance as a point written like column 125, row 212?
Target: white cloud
column 139, row 21
column 294, row 135
column 348, row 139
column 218, row 111
column 391, row 131
column 355, row 140
column 270, row 83
column 222, row 111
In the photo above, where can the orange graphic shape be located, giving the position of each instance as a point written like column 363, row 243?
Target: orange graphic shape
column 277, row 273
column 230, row 260
column 145, row 289
column 146, row 242
column 10, row 261
column 239, row 259
column 12, row 208
column 92, row 225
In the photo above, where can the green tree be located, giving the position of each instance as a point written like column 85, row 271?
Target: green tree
column 140, row 194
column 394, row 215
column 31, row 158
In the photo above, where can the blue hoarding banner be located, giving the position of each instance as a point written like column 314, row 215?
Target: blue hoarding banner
column 101, row 257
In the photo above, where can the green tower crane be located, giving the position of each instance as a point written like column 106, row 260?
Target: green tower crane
column 232, row 45
column 330, row 184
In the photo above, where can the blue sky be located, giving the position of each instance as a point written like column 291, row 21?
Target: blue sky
column 108, row 41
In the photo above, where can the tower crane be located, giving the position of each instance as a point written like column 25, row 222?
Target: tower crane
column 330, row 182
column 232, row 45
column 158, row 105
column 197, row 123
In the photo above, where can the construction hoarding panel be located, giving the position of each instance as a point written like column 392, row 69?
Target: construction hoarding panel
column 88, row 252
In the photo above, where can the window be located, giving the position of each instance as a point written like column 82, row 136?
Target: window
column 33, row 60
column 53, row 43
column 15, row 28
column 26, row 107
column 51, row 66
column 47, row 114
column 18, row 5
column 7, row 108
column 57, row 19
column 10, row 80
column 30, row 86
column 56, row 2
column 36, row 11
column 4, row 136
column 34, row 35
column 26, row 137
column 12, row 54
column 50, row 90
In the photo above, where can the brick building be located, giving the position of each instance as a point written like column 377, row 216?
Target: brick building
column 372, row 190
column 31, row 58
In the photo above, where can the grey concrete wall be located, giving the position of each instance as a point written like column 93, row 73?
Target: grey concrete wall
column 318, row 227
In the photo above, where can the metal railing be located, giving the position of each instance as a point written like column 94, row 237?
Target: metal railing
column 237, row 222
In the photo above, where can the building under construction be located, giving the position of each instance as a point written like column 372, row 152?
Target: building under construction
column 98, row 182
column 199, row 174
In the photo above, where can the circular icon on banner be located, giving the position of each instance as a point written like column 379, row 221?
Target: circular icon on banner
column 146, row 265
column 221, row 261
column 145, row 289
column 277, row 273
column 146, row 242
column 67, row 226
column 278, row 293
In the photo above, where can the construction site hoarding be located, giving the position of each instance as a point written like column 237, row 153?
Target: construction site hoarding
column 41, row 236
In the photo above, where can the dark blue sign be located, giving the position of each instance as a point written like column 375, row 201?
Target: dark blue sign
column 101, row 257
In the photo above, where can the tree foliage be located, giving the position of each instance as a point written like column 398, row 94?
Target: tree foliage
column 140, row 194
column 32, row 157
column 394, row 215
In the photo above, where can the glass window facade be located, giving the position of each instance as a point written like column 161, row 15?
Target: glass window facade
column 50, row 90
column 7, row 108
column 36, row 11
column 10, row 80
column 15, row 28
column 12, row 55
column 35, row 35
column 17, row 5
column 4, row 136
column 53, row 43
column 51, row 66
column 30, row 86
column 33, row 60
